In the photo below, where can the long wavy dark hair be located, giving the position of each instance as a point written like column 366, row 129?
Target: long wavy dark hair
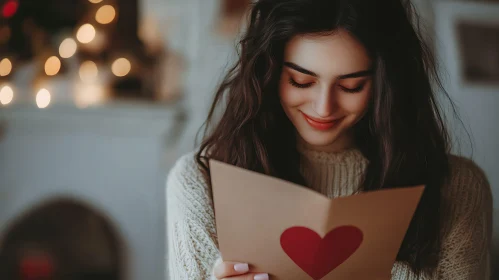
column 403, row 134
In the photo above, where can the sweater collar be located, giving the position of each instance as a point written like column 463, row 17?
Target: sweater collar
column 343, row 157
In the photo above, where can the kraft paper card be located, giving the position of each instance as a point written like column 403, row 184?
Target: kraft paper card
column 294, row 233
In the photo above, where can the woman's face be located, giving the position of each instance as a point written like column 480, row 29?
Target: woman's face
column 325, row 87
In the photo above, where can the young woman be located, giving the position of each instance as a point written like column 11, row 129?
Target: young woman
column 335, row 95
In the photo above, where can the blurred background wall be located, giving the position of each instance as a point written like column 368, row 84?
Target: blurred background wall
column 465, row 37
column 100, row 97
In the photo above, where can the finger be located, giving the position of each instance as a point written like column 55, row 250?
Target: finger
column 249, row 276
column 227, row 269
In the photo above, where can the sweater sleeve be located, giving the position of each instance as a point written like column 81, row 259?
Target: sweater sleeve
column 192, row 247
column 467, row 213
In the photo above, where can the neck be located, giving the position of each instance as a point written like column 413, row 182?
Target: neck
column 334, row 174
column 342, row 143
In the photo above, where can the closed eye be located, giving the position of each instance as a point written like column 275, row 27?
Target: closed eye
column 298, row 85
column 352, row 90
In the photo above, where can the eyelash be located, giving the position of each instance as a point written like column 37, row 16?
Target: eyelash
column 348, row 90
column 353, row 90
column 298, row 85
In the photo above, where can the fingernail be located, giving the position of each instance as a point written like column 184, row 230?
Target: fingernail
column 263, row 276
column 241, row 267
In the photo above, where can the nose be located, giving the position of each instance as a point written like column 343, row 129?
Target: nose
column 325, row 103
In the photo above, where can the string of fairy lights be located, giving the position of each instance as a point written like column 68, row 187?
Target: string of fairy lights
column 85, row 36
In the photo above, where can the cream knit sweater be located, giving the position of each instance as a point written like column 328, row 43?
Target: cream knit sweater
column 192, row 238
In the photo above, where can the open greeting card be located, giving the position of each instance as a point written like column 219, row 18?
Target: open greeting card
column 292, row 232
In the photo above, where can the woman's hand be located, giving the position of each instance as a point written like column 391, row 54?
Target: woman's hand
column 237, row 271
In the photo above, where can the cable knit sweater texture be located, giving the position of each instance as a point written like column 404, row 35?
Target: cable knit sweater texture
column 466, row 200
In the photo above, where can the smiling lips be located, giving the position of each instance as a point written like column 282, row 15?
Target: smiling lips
column 320, row 124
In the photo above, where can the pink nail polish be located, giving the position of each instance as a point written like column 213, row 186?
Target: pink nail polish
column 241, row 267
column 262, row 276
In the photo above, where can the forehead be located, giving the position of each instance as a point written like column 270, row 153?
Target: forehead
column 328, row 55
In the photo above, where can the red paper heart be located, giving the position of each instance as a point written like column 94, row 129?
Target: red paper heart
column 318, row 256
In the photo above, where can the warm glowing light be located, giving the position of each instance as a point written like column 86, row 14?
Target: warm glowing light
column 88, row 71
column 89, row 94
column 6, row 95
column 67, row 48
column 86, row 33
column 95, row 1
column 105, row 14
column 43, row 98
column 10, row 8
column 5, row 67
column 121, row 67
column 52, row 66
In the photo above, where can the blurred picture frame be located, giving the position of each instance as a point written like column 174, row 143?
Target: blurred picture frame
column 467, row 44
column 231, row 17
column 235, row 7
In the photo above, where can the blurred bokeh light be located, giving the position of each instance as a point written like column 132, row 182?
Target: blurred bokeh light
column 52, row 66
column 86, row 33
column 88, row 71
column 67, row 48
column 5, row 67
column 105, row 14
column 121, row 67
column 10, row 8
column 6, row 95
column 43, row 98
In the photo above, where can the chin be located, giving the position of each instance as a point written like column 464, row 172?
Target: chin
column 319, row 141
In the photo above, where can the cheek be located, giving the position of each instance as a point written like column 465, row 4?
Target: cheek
column 355, row 103
column 291, row 96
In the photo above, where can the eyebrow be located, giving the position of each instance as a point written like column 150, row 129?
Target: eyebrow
column 358, row 74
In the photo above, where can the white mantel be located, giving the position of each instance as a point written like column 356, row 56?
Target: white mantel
column 115, row 156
